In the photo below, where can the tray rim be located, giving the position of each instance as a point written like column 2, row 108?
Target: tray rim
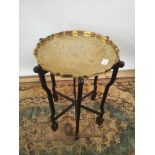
column 75, row 33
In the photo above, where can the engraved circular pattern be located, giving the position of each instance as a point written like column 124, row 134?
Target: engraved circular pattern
column 76, row 54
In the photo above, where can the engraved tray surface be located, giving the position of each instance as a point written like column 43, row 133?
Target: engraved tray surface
column 76, row 54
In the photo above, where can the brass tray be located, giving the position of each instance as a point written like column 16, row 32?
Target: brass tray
column 76, row 54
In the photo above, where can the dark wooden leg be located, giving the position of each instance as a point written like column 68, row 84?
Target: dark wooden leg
column 78, row 106
column 55, row 96
column 120, row 64
column 41, row 74
column 74, row 88
column 93, row 96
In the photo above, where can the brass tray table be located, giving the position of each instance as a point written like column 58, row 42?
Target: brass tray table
column 80, row 55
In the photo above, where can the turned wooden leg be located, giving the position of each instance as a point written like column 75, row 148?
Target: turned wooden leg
column 41, row 74
column 78, row 106
column 120, row 64
column 93, row 96
column 55, row 96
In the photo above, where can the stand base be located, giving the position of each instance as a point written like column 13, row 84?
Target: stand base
column 77, row 98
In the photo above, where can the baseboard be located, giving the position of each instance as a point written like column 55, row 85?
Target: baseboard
column 121, row 74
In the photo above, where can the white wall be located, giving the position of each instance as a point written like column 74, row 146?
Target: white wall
column 39, row 18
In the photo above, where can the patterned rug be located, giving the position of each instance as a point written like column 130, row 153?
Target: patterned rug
column 115, row 137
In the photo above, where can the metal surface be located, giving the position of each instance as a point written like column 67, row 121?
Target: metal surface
column 69, row 53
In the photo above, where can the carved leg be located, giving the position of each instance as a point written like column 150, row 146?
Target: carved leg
column 120, row 64
column 55, row 96
column 78, row 106
column 41, row 74
column 93, row 96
